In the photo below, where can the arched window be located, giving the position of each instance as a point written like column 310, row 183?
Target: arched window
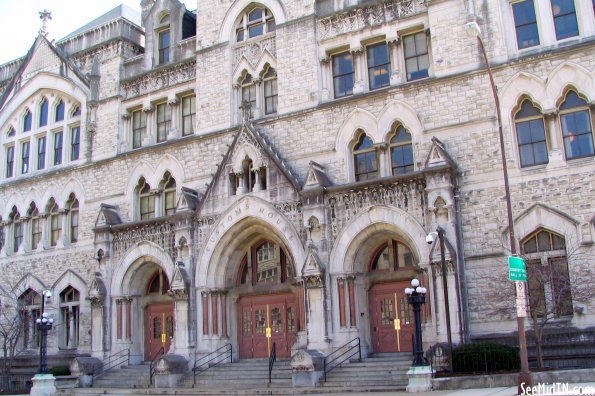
column 575, row 118
column 27, row 118
column 35, row 230
column 29, row 304
column 255, row 22
column 401, row 151
column 73, row 217
column 270, row 90
column 69, row 317
column 163, row 40
column 11, row 132
column 17, row 229
column 365, row 159
column 249, row 93
column 530, row 132
column 548, row 277
column 266, row 263
column 146, row 200
column 158, row 284
column 391, row 256
column 43, row 112
column 169, row 194
column 76, row 111
column 59, row 114
column 55, row 222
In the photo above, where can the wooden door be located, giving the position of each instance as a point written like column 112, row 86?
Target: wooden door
column 159, row 328
column 257, row 313
column 388, row 302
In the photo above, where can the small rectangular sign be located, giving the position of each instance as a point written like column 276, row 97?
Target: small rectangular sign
column 517, row 271
column 521, row 300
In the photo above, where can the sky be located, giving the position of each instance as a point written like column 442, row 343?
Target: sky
column 20, row 23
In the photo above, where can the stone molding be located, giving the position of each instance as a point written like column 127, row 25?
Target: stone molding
column 252, row 50
column 159, row 79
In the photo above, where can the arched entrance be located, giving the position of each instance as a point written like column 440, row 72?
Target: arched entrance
column 159, row 315
column 390, row 270
column 268, row 309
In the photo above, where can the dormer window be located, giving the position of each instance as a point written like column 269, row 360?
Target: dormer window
column 254, row 23
column 163, row 40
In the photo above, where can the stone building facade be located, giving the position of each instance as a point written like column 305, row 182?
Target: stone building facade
column 188, row 179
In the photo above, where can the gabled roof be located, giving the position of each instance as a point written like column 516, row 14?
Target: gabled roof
column 121, row 11
column 188, row 201
column 108, row 215
column 248, row 129
column 316, row 177
column 438, row 156
column 40, row 41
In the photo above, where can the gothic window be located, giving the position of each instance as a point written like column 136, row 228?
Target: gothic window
column 401, row 151
column 364, row 159
column 378, row 65
column 146, row 200
column 69, row 317
column 17, row 229
column 188, row 114
column 391, row 256
column 531, row 135
column 55, row 222
column 43, row 112
column 565, row 21
column 266, row 263
column 525, row 23
column 169, row 194
column 35, row 225
column 343, row 74
column 575, row 118
column 59, row 113
column 9, row 161
column 58, row 147
column 25, row 157
column 158, row 284
column 255, row 22
column 27, row 121
column 11, row 132
column 73, row 218
column 547, row 273
column 75, row 143
column 29, row 304
column 270, row 90
column 163, row 121
column 163, row 40
column 41, row 152
column 76, row 111
column 139, row 128
column 249, row 92
column 417, row 58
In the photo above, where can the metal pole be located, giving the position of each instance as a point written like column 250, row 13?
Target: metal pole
column 524, row 375
column 416, row 300
column 42, row 336
column 440, row 232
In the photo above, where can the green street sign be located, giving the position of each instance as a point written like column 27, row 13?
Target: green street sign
column 517, row 271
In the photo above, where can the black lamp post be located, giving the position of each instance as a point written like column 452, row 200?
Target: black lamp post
column 44, row 324
column 416, row 296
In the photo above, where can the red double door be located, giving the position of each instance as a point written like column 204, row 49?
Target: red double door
column 277, row 312
column 159, row 328
column 388, row 302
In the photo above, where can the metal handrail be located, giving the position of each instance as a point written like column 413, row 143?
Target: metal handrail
column 159, row 353
column 272, row 360
column 209, row 359
column 327, row 362
column 115, row 360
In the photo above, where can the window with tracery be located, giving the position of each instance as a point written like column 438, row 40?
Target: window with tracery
column 266, row 263
column 392, row 255
column 401, row 151
column 55, row 222
column 577, row 132
column 69, row 317
column 530, row 130
column 146, row 200
column 254, row 22
column 35, row 221
column 365, row 159
column 169, row 194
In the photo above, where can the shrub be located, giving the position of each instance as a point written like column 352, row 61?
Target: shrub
column 485, row 357
column 59, row 370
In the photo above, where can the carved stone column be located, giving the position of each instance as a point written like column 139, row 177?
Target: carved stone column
column 174, row 129
column 394, row 44
column 358, row 69
column 325, row 78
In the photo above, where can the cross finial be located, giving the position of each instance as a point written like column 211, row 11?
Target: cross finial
column 44, row 15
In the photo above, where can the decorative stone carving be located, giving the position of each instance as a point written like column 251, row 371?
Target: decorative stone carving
column 372, row 15
column 313, row 272
column 159, row 79
column 162, row 235
column 252, row 51
column 179, row 284
column 97, row 291
column 293, row 212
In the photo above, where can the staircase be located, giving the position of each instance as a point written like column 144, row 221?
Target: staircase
column 379, row 372
column 124, row 377
column 244, row 374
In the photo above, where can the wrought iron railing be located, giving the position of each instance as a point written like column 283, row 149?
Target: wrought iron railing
column 153, row 364
column 219, row 355
column 341, row 355
column 272, row 360
column 115, row 360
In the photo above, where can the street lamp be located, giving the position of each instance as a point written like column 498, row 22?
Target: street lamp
column 44, row 324
column 473, row 30
column 416, row 296
column 430, row 239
